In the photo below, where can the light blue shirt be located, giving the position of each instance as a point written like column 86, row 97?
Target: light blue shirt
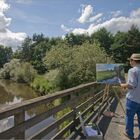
column 134, row 84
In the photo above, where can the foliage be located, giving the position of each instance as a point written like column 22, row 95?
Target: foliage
column 76, row 65
column 74, row 57
column 33, row 50
column 5, row 55
column 72, row 39
column 46, row 83
column 104, row 37
column 126, row 43
column 18, row 71
column 119, row 47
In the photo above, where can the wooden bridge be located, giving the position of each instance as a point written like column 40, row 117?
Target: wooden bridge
column 64, row 107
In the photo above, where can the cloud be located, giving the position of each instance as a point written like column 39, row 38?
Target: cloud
column 23, row 1
column 79, row 31
column 7, row 37
column 86, row 13
column 114, row 24
column 63, row 27
column 94, row 18
column 116, row 13
column 135, row 13
column 3, row 6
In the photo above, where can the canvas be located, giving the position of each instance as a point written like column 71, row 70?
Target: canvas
column 110, row 73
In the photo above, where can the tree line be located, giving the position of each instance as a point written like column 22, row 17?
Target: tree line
column 55, row 63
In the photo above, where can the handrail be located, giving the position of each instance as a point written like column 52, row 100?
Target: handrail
column 83, row 97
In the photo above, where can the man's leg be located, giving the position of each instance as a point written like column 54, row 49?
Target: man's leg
column 131, row 108
column 138, row 115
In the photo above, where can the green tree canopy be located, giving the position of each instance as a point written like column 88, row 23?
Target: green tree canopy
column 5, row 55
column 104, row 37
column 76, row 65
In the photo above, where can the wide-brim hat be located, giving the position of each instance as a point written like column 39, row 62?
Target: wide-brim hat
column 135, row 56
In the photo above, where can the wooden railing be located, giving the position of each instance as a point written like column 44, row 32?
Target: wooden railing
column 63, row 106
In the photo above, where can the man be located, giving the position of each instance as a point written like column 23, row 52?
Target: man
column 133, row 95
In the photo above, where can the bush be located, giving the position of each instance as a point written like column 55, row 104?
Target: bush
column 76, row 65
column 46, row 83
column 18, row 71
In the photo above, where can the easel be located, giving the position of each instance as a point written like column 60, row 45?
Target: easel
column 108, row 113
column 119, row 99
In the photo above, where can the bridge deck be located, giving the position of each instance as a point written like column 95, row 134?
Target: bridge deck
column 117, row 126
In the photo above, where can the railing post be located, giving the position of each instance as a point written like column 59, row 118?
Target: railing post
column 72, row 97
column 19, row 118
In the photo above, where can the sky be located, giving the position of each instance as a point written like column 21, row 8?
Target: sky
column 53, row 18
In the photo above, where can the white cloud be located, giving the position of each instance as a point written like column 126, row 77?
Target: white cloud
column 86, row 13
column 7, row 37
column 79, row 31
column 4, row 22
column 63, row 27
column 3, row 6
column 24, row 1
column 116, row 13
column 135, row 13
column 113, row 25
column 94, row 18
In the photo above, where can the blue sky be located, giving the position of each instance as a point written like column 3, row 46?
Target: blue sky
column 104, row 67
column 21, row 18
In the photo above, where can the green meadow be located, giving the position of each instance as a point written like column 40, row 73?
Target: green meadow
column 103, row 75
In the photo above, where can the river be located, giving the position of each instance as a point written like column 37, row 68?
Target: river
column 12, row 93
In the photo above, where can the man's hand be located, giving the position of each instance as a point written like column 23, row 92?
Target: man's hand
column 124, row 85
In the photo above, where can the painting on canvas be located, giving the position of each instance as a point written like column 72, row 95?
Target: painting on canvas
column 110, row 73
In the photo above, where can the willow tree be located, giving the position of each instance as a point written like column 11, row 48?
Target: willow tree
column 76, row 65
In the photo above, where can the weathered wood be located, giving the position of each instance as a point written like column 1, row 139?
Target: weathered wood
column 16, row 108
column 52, row 126
column 92, row 117
column 18, row 119
column 40, row 117
column 83, row 99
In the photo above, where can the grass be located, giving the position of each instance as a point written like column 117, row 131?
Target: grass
column 103, row 75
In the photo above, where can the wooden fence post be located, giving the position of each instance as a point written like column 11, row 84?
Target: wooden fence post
column 19, row 118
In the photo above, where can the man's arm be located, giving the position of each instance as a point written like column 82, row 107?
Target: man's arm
column 126, row 85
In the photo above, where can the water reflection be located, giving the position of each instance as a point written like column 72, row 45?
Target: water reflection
column 11, row 93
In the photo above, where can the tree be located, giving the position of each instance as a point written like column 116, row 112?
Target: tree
column 133, row 40
column 33, row 50
column 104, row 37
column 38, row 37
column 18, row 71
column 119, row 47
column 72, row 39
column 5, row 55
column 26, row 50
column 77, row 64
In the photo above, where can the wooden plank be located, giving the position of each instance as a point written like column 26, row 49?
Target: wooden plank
column 21, row 126
column 93, row 117
column 52, row 126
column 63, row 131
column 38, row 118
column 16, row 108
column 19, row 118
column 69, row 126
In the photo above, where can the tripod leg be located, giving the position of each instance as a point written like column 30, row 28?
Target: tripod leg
column 119, row 101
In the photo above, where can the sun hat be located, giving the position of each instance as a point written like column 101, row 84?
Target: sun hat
column 135, row 56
